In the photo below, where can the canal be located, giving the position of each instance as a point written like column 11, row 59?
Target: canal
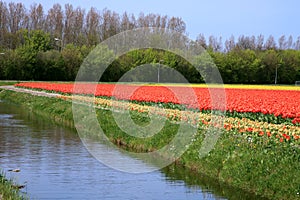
column 54, row 164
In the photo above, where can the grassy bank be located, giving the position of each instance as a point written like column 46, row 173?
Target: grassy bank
column 257, row 166
column 8, row 190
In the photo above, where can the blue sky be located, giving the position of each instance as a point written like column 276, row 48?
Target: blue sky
column 210, row 17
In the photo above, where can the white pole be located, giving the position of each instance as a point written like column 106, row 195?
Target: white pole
column 158, row 70
column 276, row 76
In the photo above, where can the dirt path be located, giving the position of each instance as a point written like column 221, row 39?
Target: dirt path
column 33, row 92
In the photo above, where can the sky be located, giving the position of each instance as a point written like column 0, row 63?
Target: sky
column 220, row 18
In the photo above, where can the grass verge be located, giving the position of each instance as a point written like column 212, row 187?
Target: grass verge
column 3, row 83
column 8, row 190
column 267, row 169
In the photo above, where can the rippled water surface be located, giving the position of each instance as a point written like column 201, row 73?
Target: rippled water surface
column 54, row 164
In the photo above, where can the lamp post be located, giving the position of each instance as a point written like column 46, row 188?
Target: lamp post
column 276, row 74
column 276, row 71
column 59, row 40
column 159, row 63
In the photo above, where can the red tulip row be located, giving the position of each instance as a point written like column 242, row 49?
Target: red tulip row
column 284, row 103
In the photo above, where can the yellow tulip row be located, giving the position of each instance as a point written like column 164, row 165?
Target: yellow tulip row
column 237, row 86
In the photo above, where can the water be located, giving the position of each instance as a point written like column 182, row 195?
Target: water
column 54, row 164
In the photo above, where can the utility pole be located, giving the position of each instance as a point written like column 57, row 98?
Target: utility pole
column 276, row 74
column 159, row 63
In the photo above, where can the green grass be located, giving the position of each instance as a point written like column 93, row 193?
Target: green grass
column 3, row 83
column 267, row 169
column 7, row 189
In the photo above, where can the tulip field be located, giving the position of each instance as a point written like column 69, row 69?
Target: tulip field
column 284, row 103
column 249, row 111
column 258, row 150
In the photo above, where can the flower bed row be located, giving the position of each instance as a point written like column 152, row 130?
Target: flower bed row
column 276, row 133
column 279, row 103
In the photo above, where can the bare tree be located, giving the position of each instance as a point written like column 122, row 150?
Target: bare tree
column 270, row 43
column 54, row 21
column 37, row 18
column 177, row 24
column 16, row 21
column 260, row 42
column 164, row 21
column 289, row 43
column 125, row 22
column 214, row 43
column 201, row 40
column 128, row 22
column 150, row 20
column 68, row 19
column 141, row 20
column 282, row 42
column 220, row 44
column 114, row 22
column 252, row 42
column 109, row 24
column 16, row 16
column 230, row 44
column 158, row 21
column 92, row 26
column 3, row 24
column 77, row 29
column 297, row 44
column 246, row 42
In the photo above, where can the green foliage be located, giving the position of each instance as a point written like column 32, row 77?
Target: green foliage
column 206, row 66
column 149, row 60
column 95, row 64
column 270, row 118
column 12, row 66
column 35, row 57
column 72, row 59
column 34, row 42
column 289, row 66
column 5, row 83
column 50, row 66
column 74, row 32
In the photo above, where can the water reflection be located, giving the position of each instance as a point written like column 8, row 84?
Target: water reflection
column 195, row 181
column 55, row 165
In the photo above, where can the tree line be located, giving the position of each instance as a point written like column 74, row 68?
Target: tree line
column 39, row 45
column 71, row 25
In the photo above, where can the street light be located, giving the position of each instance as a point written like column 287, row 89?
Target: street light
column 276, row 71
column 276, row 74
column 57, row 40
column 159, row 63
